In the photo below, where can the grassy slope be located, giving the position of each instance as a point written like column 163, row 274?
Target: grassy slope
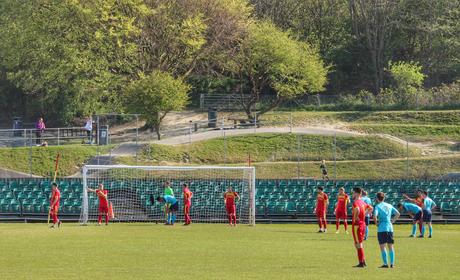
column 361, row 169
column 277, row 147
column 414, row 125
column 413, row 132
column 147, row 251
column 388, row 117
column 367, row 169
column 72, row 158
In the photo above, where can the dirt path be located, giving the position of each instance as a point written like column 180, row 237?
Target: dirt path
column 194, row 137
column 7, row 173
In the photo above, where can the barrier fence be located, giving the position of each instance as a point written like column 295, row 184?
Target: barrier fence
column 279, row 147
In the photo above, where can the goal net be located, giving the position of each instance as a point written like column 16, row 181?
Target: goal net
column 130, row 188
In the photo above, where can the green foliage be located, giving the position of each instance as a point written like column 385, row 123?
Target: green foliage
column 71, row 55
column 406, row 74
column 154, row 95
column 187, row 37
column 271, row 59
column 65, row 59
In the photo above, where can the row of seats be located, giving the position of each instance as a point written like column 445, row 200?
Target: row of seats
column 272, row 196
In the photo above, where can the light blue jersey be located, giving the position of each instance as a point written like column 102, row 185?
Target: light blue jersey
column 169, row 199
column 368, row 201
column 412, row 208
column 428, row 204
column 384, row 211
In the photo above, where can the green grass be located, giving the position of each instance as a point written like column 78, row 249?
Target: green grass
column 450, row 117
column 72, row 158
column 277, row 147
column 411, row 125
column 412, row 132
column 419, row 168
column 148, row 251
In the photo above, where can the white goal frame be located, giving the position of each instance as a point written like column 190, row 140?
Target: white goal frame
column 250, row 171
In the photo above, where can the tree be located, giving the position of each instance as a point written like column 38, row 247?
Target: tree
column 324, row 24
column 154, row 96
column 373, row 22
column 184, row 37
column 71, row 57
column 270, row 60
column 428, row 32
column 408, row 77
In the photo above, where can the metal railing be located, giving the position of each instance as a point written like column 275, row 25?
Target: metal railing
column 52, row 136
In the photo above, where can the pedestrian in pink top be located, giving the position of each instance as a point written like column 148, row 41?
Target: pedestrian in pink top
column 39, row 130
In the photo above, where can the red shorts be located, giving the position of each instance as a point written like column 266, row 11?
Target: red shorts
column 231, row 209
column 341, row 215
column 103, row 209
column 359, row 231
column 320, row 213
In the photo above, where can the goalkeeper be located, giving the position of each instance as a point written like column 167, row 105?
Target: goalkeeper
column 171, row 207
column 168, row 189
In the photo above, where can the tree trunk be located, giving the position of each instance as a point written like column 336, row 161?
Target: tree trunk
column 157, row 130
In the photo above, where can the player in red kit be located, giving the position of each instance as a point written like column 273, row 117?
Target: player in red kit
column 360, row 209
column 229, row 200
column 322, row 202
column 103, row 203
column 341, row 210
column 187, row 204
column 54, row 205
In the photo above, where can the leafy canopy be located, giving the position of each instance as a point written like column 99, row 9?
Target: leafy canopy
column 273, row 60
column 156, row 94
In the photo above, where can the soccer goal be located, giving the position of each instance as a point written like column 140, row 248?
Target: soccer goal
column 131, row 187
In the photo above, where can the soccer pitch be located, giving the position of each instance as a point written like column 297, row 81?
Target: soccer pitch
column 216, row 251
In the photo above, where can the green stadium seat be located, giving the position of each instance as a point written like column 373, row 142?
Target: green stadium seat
column 4, row 208
column 14, row 208
column 291, row 207
column 260, row 209
column 445, row 207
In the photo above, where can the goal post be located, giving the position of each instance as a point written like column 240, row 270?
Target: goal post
column 130, row 188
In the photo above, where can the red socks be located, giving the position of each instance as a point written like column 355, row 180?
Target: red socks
column 361, row 255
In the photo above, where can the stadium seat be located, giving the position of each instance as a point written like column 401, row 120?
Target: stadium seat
column 291, row 207
column 445, row 207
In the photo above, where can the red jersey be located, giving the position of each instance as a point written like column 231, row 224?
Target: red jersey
column 321, row 200
column 230, row 198
column 187, row 196
column 55, row 196
column 362, row 208
column 342, row 201
column 102, row 195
